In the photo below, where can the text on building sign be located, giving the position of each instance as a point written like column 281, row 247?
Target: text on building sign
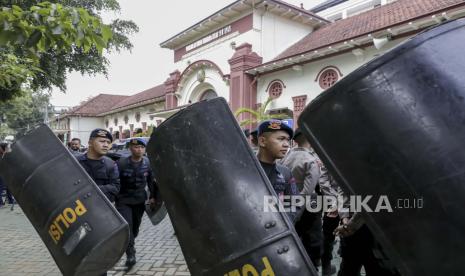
column 221, row 32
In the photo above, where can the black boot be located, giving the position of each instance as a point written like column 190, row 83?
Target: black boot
column 130, row 257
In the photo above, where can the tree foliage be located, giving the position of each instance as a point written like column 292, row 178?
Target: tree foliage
column 22, row 113
column 258, row 115
column 40, row 42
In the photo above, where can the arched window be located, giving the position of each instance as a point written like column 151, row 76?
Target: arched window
column 328, row 76
column 208, row 95
column 275, row 89
column 137, row 116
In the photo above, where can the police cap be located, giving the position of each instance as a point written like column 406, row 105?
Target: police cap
column 99, row 132
column 137, row 141
column 274, row 125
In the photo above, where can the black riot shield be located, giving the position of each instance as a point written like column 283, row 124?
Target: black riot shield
column 396, row 128
column 83, row 232
column 214, row 190
column 157, row 214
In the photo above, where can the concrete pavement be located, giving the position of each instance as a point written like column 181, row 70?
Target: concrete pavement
column 23, row 253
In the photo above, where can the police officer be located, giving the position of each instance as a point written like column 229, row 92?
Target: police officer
column 9, row 197
column 100, row 168
column 329, row 186
column 273, row 142
column 75, row 147
column 306, row 170
column 135, row 175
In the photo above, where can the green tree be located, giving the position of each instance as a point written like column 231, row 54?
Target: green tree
column 5, row 131
column 258, row 115
column 23, row 112
column 40, row 42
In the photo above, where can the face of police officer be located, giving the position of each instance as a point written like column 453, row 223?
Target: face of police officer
column 99, row 145
column 137, row 151
column 275, row 144
column 75, row 145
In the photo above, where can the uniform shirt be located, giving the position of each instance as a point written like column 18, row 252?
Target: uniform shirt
column 280, row 178
column 105, row 174
column 329, row 187
column 328, row 184
column 304, row 167
column 75, row 153
column 283, row 183
column 135, row 177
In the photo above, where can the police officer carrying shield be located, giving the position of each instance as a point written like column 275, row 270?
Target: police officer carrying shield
column 100, row 168
column 135, row 175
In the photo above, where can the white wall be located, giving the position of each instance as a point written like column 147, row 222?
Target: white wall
column 303, row 82
column 81, row 127
column 219, row 51
column 350, row 8
column 276, row 34
column 270, row 36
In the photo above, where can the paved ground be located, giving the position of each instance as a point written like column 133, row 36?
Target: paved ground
column 23, row 253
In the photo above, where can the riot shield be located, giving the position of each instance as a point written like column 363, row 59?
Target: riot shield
column 214, row 189
column 396, row 128
column 83, row 232
column 157, row 214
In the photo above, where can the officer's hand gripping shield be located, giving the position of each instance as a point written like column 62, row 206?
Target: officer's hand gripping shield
column 83, row 232
column 396, row 128
column 214, row 190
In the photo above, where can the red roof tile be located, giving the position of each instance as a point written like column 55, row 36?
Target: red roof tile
column 149, row 94
column 371, row 21
column 96, row 105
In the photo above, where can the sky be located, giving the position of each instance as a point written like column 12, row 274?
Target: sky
column 147, row 65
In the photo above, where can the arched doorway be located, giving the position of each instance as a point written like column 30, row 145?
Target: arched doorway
column 208, row 95
column 201, row 80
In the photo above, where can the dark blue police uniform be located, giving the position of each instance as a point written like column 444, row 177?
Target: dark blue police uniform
column 280, row 177
column 282, row 181
column 105, row 174
column 130, row 202
column 103, row 171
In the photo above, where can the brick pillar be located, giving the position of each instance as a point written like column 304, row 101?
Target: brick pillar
column 171, row 84
column 242, row 88
column 299, row 105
